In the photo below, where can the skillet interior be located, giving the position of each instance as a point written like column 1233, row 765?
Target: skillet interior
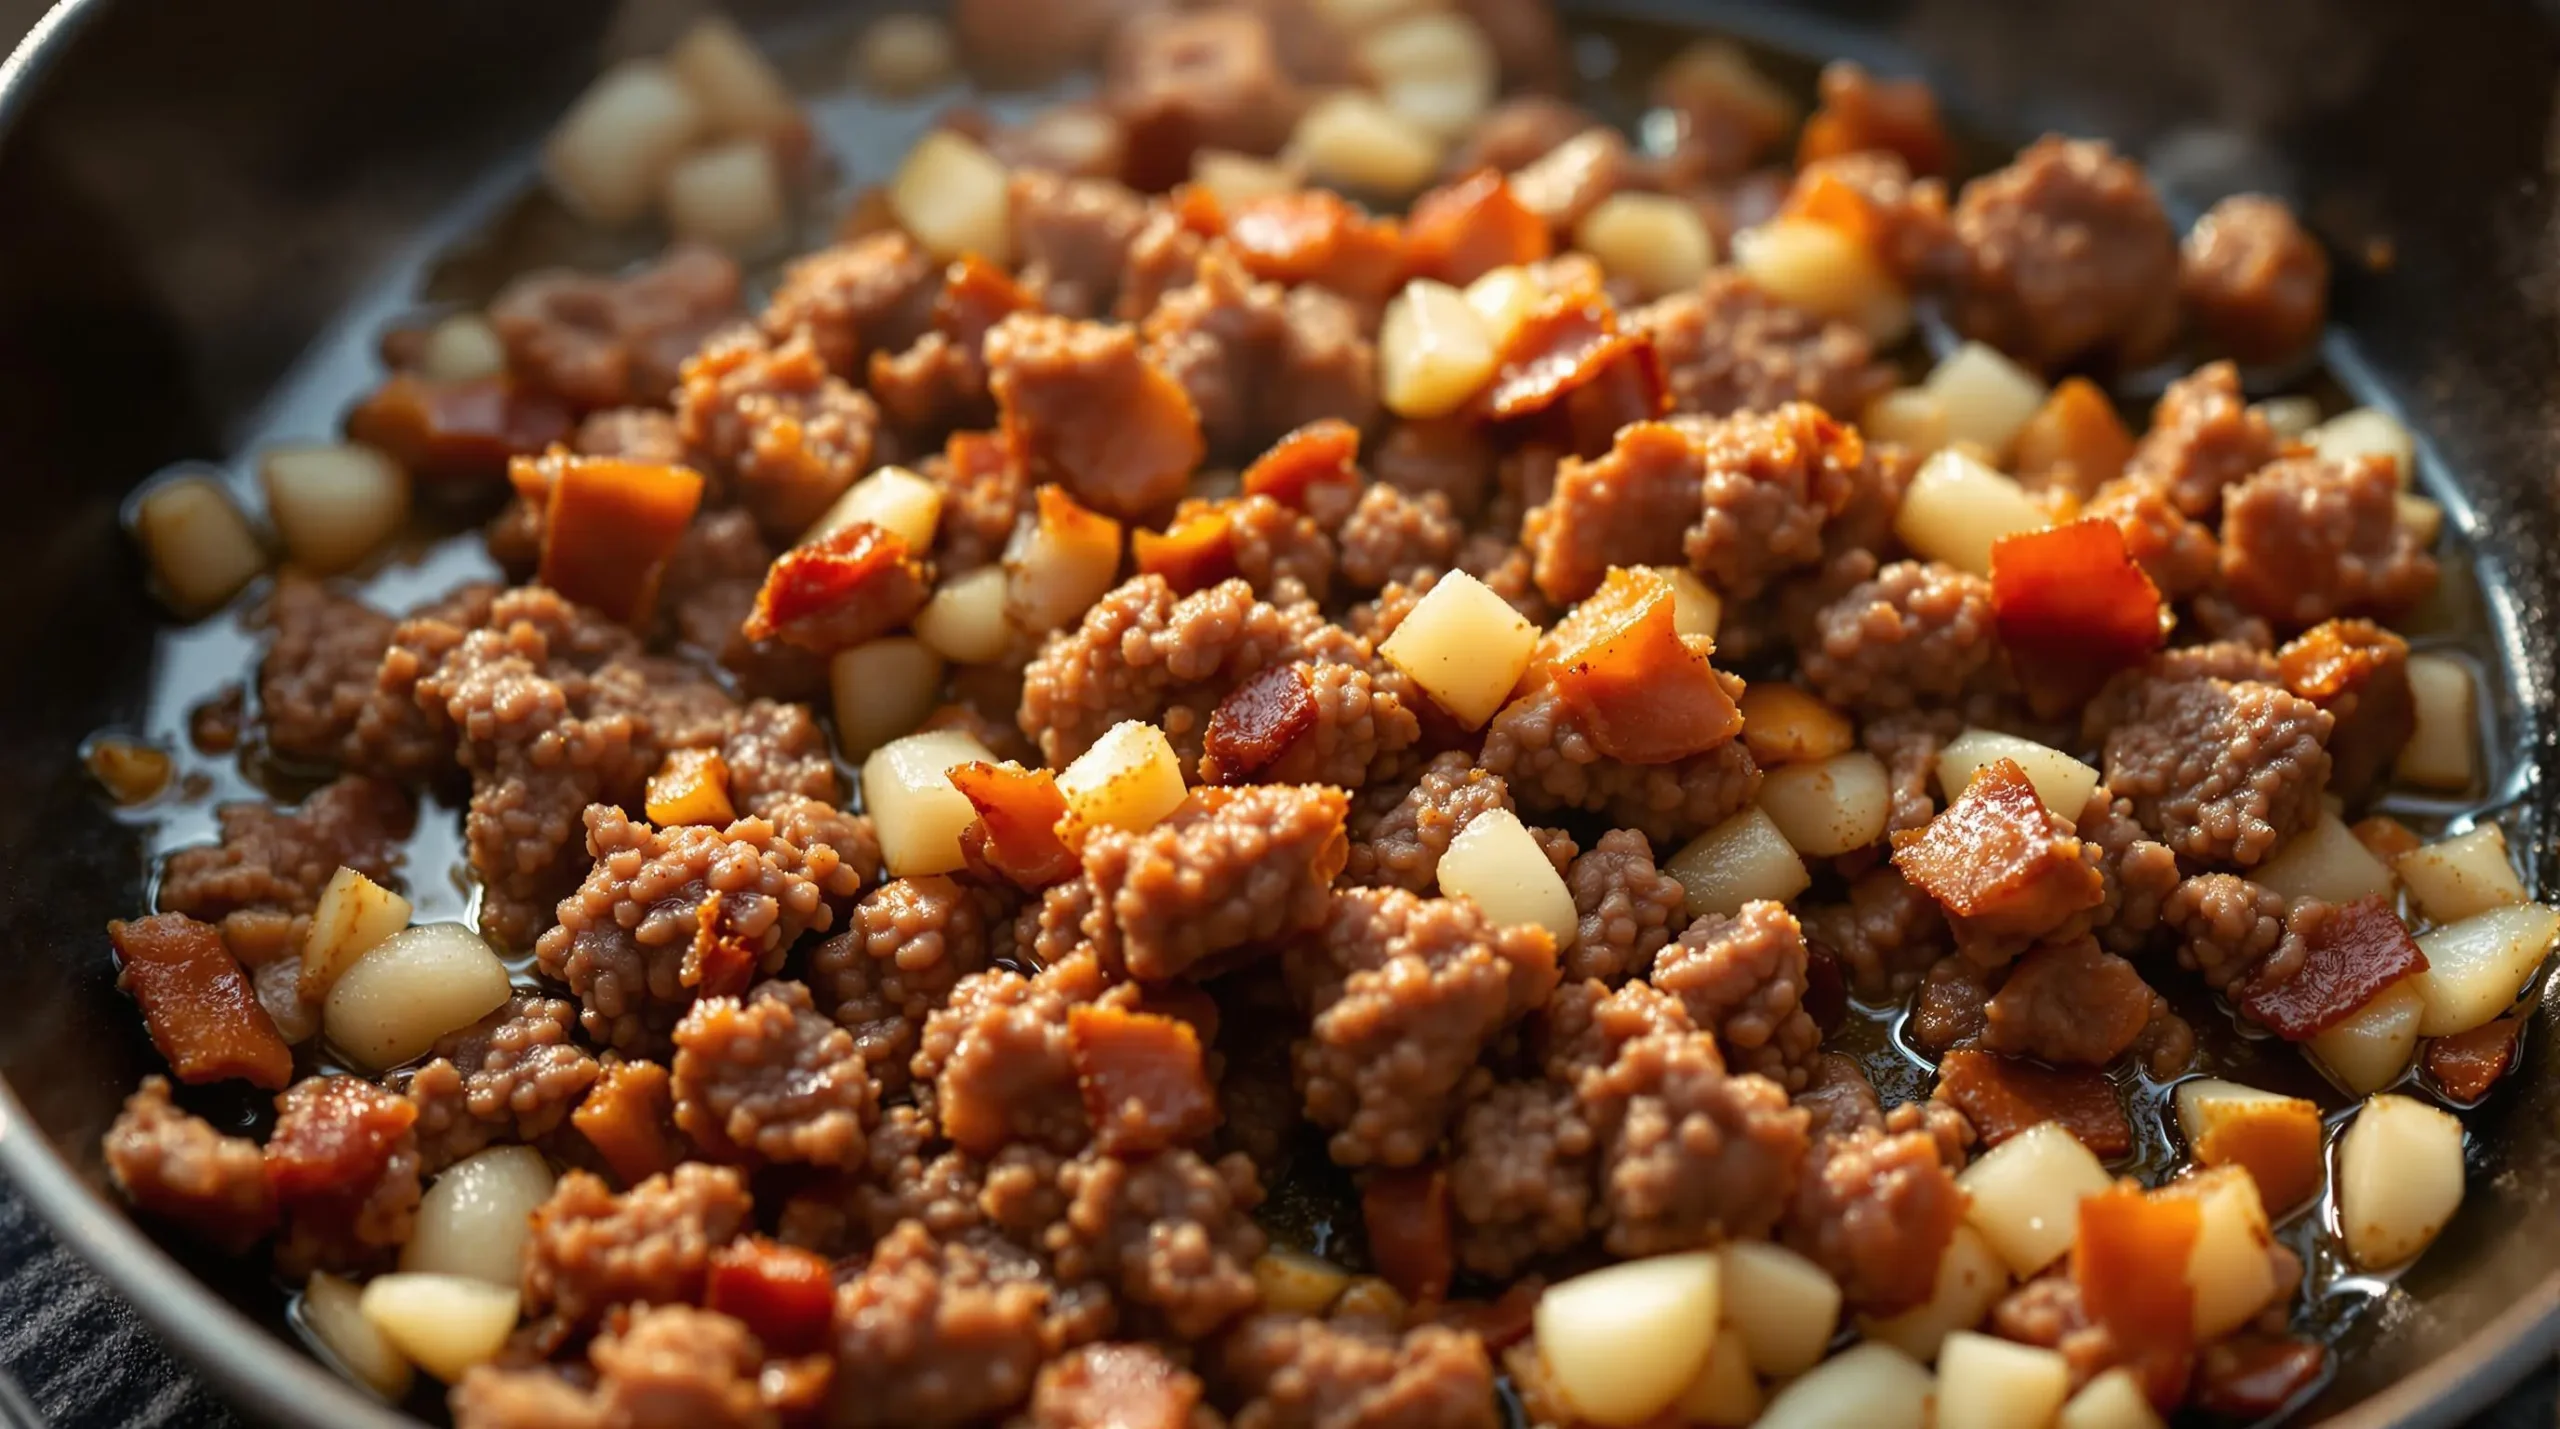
column 191, row 193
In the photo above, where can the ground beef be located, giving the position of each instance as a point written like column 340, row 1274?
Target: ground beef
column 1539, row 745
column 776, row 752
column 1909, row 742
column 1085, row 408
column 1294, row 1372
column 1626, row 907
column 1394, row 535
column 1584, row 1025
column 172, row 1164
column 1920, row 631
column 1451, row 457
column 935, row 1333
column 1405, row 994
column 706, row 593
column 1743, row 978
column 2310, row 538
column 1231, row 867
column 768, row 1078
column 318, row 673
column 1947, row 1012
column 2180, row 555
column 2047, row 1312
column 1517, row 132
column 997, row 1062
column 633, row 942
column 642, row 434
column 2204, row 437
column 910, row 941
column 1691, row 1155
column 1522, row 1163
column 513, row 1075
column 1397, row 834
column 2230, row 929
column 1073, row 237
column 1876, row 1208
column 1727, row 346
column 495, row 1397
column 2252, row 280
column 611, row 342
column 1183, row 82
column 2220, row 772
column 1626, row 507
column 1258, row 360
column 2070, row 1004
column 343, row 1162
column 1144, row 653
column 790, row 434
column 1913, row 231
column 2139, row 872
column 674, row 1364
column 590, row 1249
column 269, row 868
column 1885, row 935
column 1170, row 1232
column 875, row 294
column 1276, row 547
column 1116, row 1387
column 2068, row 257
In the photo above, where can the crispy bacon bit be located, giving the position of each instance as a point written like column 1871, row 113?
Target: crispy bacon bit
column 1317, row 236
column 1998, row 860
column 1461, row 231
column 334, row 1137
column 1406, row 1215
column 2003, row 1096
column 1319, row 454
column 691, row 787
column 1859, row 114
column 1016, row 835
column 2251, row 1377
column 2466, row 1064
column 721, row 961
column 2352, row 952
column 458, row 431
column 2119, row 1255
column 628, row 1116
column 783, row 1293
column 2075, row 441
column 203, row 1014
column 1083, row 406
column 1646, row 693
column 1569, row 365
column 1141, row 1077
column 1253, row 726
column 2385, row 837
column 1194, row 553
column 608, row 525
column 853, row 584
column 2073, row 608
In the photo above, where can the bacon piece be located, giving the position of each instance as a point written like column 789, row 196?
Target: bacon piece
column 2073, row 608
column 2466, row 1064
column 2252, row 1377
column 1194, row 553
column 1255, row 724
column 2003, row 1096
column 1317, row 236
column 854, row 584
column 1572, row 377
column 1461, row 231
column 458, row 431
column 1016, row 835
column 608, row 525
column 203, row 1014
column 335, row 1136
column 785, row 1294
column 720, row 961
column 1646, row 693
column 2001, row 863
column 2352, row 952
column 628, row 1116
column 1141, row 1077
column 1406, row 1215
column 2121, row 1258
column 2074, row 441
column 1319, row 454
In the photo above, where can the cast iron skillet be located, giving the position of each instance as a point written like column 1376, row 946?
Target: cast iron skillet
column 188, row 192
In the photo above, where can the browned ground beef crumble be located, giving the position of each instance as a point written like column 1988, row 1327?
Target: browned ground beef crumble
column 1033, row 1120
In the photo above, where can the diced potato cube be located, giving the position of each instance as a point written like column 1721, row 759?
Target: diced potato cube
column 2326, row 862
column 1830, row 807
column 2277, row 1139
column 1742, row 859
column 1504, row 298
column 2288, row 417
column 1987, row 397
column 1781, row 724
column 1872, row 1386
column 2475, row 968
column 1235, row 179
column 332, row 1311
column 1129, row 779
column 728, row 196
column 2026, row 1195
column 2400, row 1179
column 1971, row 1279
column 1912, row 417
column 2369, row 1050
column 445, row 1323
column 2113, row 1400
column 2062, row 782
column 1436, row 69
column 1782, row 1307
column 953, row 197
column 2443, row 751
column 1823, row 270
column 2229, row 1269
column 1993, row 1383
column 1495, row 861
column 883, row 688
column 201, row 547
column 2367, row 432
column 413, row 987
column 1623, row 1341
column 741, row 94
column 1725, row 1393
column 1695, row 610
column 964, row 621
column 914, row 808
column 1352, row 140
column 1294, row 1283
column 1465, row 646
column 333, row 505
column 1433, row 351
column 894, row 499
column 1658, row 242
column 610, row 152
column 355, row 916
column 1957, row 508
column 474, row 1221
column 462, row 348
column 1058, row 563
column 906, row 54
column 2457, row 877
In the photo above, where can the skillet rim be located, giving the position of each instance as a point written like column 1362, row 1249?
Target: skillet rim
column 274, row 1381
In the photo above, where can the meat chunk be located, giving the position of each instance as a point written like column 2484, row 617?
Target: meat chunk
column 2232, row 931
column 205, row 1016
column 911, row 940
column 1294, row 1372
column 1117, row 1387
column 1394, row 535
column 935, row 1333
column 2068, row 257
column 270, row 865
column 1522, row 1166
column 318, row 672
column 1626, row 909
column 1169, row 1232
column 2221, row 772
column 1876, row 1207
column 591, row 1250
column 1074, row 236
column 1183, row 82
column 767, row 1078
column 609, row 342
column 1728, row 347
column 790, row 434
column 172, row 1164
column 343, row 1161
column 1231, row 867
column 875, row 294
column 2311, row 538
column 1540, row 745
column 1397, row 841
column 2204, row 438
column 1405, row 994
column 1144, row 653
column 1743, row 978
column 1919, row 631
column 2007, row 870
column 2252, row 280
column 1885, row 935
column 1258, row 360
column 513, row 1075
column 2139, row 871
column 2359, row 673
column 1090, row 411
column 1000, row 1063
column 1691, row 1156
column 2070, row 1004
column 2180, row 555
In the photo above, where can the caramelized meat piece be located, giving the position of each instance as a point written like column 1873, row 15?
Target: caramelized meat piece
column 2072, row 608
column 203, row 1015
column 1087, row 409
column 2351, row 952
column 1142, row 1079
column 343, row 1160
column 2070, row 1004
column 172, row 1164
column 591, row 1250
column 608, row 342
column 856, row 584
column 629, row 1118
column 2002, row 1096
column 2311, row 538
column 2069, row 257
column 2359, row 673
column 2005, row 868
column 2253, row 280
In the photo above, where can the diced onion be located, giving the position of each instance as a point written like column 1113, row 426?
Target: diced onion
column 2476, row 968
column 1695, row 610
column 1987, row 397
column 2400, row 1179
column 883, row 688
column 2113, row 1400
column 1657, row 242
column 2063, row 783
column 728, row 196
column 1985, row 1382
column 331, row 1310
column 1433, row 351
column 1437, row 70
column 1742, row 859
column 1823, row 270
column 894, row 499
column 903, row 55
column 2229, row 1269
column 2457, row 877
column 1622, row 1342
column 2372, row 1047
column 1957, row 509
column 1725, row 1395
column 1495, row 862
column 2326, row 862
column 964, row 621
column 1353, row 140
column 1058, row 563
column 1830, row 807
column 2366, row 432
column 1130, row 778
column 1782, row 1307
column 355, row 916
column 391, row 1004
column 1911, row 417
column 1871, row 1386
column 918, row 815
column 741, row 94
column 1465, row 646
column 1294, row 1283
column 2026, row 1194
column 1235, row 179
column 333, row 505
column 462, row 348
column 2443, row 751
column 2288, row 417
column 474, row 1221
column 608, row 156
column 201, row 547
column 954, row 198
column 1971, row 1279
column 445, row 1323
